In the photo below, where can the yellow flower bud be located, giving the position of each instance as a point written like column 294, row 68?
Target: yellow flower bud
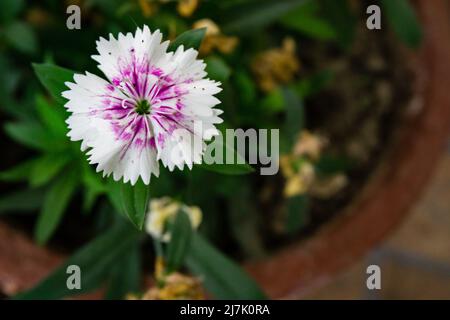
column 163, row 210
column 301, row 182
column 176, row 286
column 148, row 7
column 309, row 144
column 214, row 39
column 187, row 7
column 276, row 66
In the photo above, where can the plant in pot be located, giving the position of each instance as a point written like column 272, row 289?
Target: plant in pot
column 159, row 224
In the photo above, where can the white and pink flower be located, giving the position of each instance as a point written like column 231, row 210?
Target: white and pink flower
column 133, row 120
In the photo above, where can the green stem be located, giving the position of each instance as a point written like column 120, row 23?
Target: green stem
column 158, row 248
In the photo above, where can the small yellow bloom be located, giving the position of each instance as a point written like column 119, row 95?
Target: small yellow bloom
column 173, row 286
column 310, row 145
column 187, row 7
column 226, row 44
column 131, row 296
column 214, row 39
column 286, row 166
column 160, row 268
column 163, row 210
column 212, row 29
column 301, row 182
column 276, row 66
column 176, row 287
column 195, row 215
column 148, row 7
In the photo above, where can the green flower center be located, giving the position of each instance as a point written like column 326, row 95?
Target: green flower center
column 142, row 107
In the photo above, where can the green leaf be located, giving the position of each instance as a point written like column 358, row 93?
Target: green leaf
column 217, row 69
column 342, row 20
column 93, row 180
column 9, row 78
column 47, row 167
column 181, row 232
column 95, row 261
column 55, row 203
column 9, row 9
column 114, row 191
column 329, row 165
column 90, row 196
column 245, row 218
column 21, row 201
column 297, row 214
column 273, row 102
column 306, row 20
column 135, row 201
column 188, row 39
column 125, row 275
column 253, row 15
column 53, row 78
column 311, row 26
column 295, row 117
column 314, row 84
column 94, row 186
column 30, row 134
column 402, row 18
column 21, row 37
column 20, row 172
column 222, row 277
column 234, row 168
column 247, row 89
column 52, row 116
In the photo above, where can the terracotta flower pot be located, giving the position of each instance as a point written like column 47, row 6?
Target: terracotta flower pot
column 392, row 190
column 378, row 209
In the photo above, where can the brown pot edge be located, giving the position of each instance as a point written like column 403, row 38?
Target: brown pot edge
column 298, row 269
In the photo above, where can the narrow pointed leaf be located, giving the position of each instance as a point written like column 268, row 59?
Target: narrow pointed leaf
column 217, row 68
column 295, row 117
column 189, row 39
column 402, row 18
column 256, row 14
column 30, row 134
column 52, row 116
column 95, row 260
column 125, row 276
column 135, row 202
column 223, row 278
column 53, row 78
column 21, row 36
column 55, row 204
column 234, row 168
column 21, row 201
column 20, row 172
column 47, row 167
column 181, row 231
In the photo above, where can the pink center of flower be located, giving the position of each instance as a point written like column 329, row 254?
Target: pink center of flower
column 148, row 98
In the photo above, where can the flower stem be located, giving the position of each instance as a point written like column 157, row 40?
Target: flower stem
column 158, row 248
